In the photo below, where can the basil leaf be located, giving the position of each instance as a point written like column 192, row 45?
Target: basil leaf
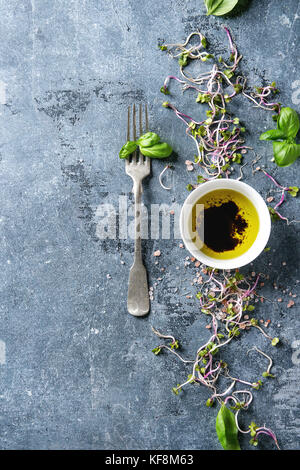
column 288, row 122
column 148, row 139
column 220, row 7
column 226, row 429
column 273, row 134
column 161, row 150
column 285, row 153
column 211, row 5
column 127, row 149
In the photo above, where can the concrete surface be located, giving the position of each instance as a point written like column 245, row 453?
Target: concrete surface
column 76, row 371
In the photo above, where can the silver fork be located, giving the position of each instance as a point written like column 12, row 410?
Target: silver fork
column 138, row 167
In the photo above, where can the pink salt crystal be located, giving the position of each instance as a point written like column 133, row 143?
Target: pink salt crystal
column 156, row 253
column 270, row 199
column 290, row 304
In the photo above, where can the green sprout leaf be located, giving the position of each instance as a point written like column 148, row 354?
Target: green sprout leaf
column 253, row 427
column 183, row 60
column 257, row 385
column 293, row 190
column 267, row 374
column 156, row 351
column 204, row 42
column 228, row 73
column 273, row 214
column 176, row 390
column 203, row 98
column 275, row 341
column 164, row 90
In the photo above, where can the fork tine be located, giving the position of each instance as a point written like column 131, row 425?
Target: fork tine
column 147, row 159
column 134, row 155
column 128, row 133
column 128, row 124
column 141, row 156
column 146, row 117
column 141, row 118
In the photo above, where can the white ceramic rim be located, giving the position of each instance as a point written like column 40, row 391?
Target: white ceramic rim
column 264, row 223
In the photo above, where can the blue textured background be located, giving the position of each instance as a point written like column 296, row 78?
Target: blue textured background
column 78, row 370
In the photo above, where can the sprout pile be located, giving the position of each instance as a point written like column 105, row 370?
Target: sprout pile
column 219, row 138
column 227, row 301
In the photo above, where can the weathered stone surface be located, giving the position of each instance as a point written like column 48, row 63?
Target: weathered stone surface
column 76, row 371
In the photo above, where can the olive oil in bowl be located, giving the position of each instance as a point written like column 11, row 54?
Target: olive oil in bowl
column 227, row 226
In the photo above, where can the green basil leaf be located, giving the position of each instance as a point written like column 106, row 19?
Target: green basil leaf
column 211, row 4
column 127, row 149
column 288, row 122
column 148, row 139
column 226, row 429
column 161, row 150
column 220, row 7
column 285, row 153
column 273, row 134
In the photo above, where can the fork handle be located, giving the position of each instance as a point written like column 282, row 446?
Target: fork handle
column 138, row 293
column 137, row 191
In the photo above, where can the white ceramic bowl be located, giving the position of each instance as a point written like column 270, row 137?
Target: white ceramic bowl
column 264, row 223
